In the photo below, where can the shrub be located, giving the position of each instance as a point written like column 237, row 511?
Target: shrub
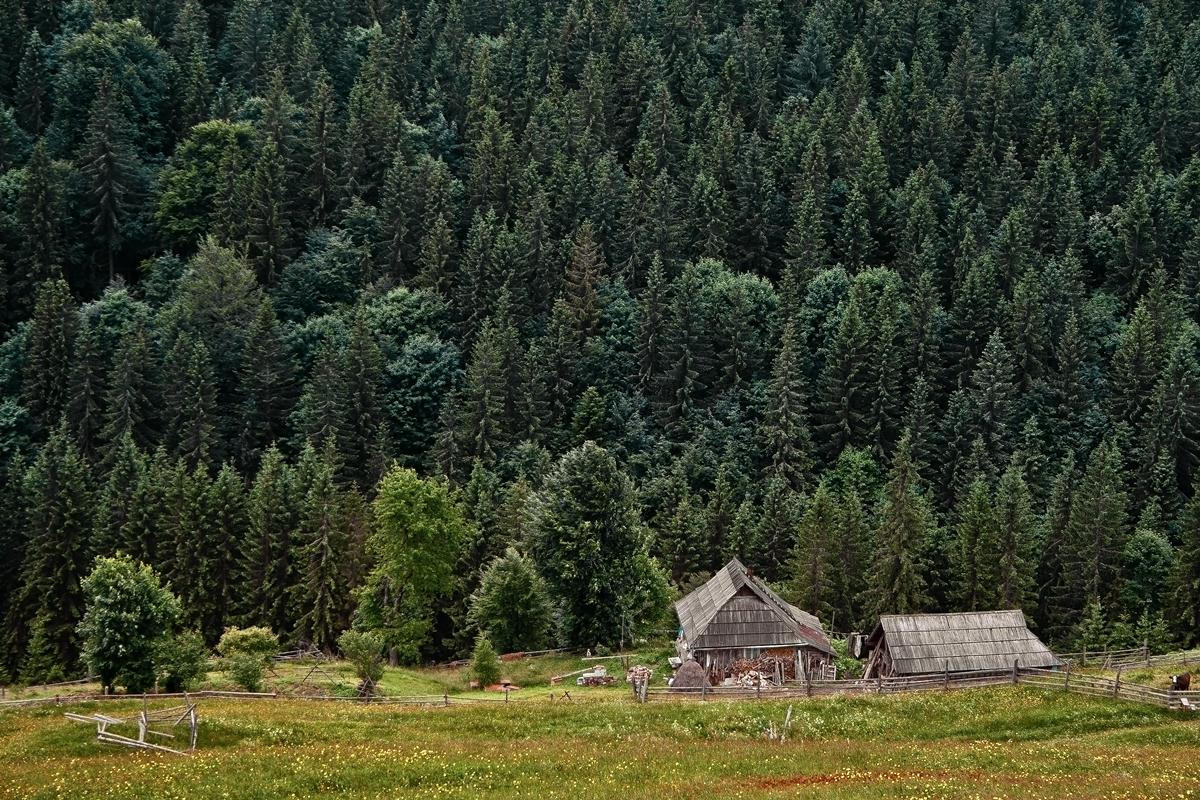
column 847, row 665
column 180, row 661
column 485, row 664
column 258, row 642
column 247, row 651
column 363, row 649
column 247, row 671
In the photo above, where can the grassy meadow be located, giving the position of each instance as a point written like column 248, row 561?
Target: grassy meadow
column 986, row 743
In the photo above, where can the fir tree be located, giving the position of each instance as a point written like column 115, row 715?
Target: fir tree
column 815, row 558
column 905, row 522
column 1096, row 533
column 49, row 352
column 1009, row 550
column 110, row 164
column 129, row 400
column 59, row 518
column 785, row 424
column 974, row 521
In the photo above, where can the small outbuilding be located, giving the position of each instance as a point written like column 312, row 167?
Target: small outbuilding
column 925, row 644
column 735, row 617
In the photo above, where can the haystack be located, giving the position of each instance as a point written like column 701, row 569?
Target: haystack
column 690, row 675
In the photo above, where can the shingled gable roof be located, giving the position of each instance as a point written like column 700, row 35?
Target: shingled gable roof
column 748, row 614
column 959, row 642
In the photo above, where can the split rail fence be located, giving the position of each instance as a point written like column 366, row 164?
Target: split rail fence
column 1065, row 680
column 432, row 700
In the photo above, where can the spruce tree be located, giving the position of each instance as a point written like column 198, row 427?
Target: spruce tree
column 267, row 553
column 110, row 163
column 905, row 523
column 1185, row 578
column 265, row 388
column 1009, row 549
column 974, row 521
column 85, row 388
column 130, row 399
column 192, row 425
column 268, row 214
column 785, row 423
column 117, row 507
column 852, row 543
column 1096, row 533
column 40, row 214
column 214, row 605
column 815, row 558
column 774, row 533
column 50, row 349
column 32, row 95
column 58, row 491
column 322, row 592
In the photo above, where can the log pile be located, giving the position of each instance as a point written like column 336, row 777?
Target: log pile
column 771, row 669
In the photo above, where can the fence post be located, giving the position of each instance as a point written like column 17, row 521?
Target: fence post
column 1146, row 650
column 808, row 682
column 704, row 689
column 506, row 694
column 445, row 698
column 758, row 687
column 946, row 677
column 1016, row 662
column 879, row 684
column 1117, row 683
column 1067, row 680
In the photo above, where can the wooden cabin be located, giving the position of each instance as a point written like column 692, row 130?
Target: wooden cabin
column 926, row 644
column 737, row 617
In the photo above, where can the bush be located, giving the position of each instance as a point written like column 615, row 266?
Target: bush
column 363, row 649
column 246, row 652
column 485, row 664
column 847, row 665
column 247, row 671
column 258, row 642
column 180, row 661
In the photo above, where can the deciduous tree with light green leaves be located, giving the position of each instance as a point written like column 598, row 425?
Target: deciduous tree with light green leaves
column 418, row 531
column 128, row 613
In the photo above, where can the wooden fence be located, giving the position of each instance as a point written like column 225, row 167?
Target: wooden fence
column 434, row 700
column 1181, row 658
column 1069, row 681
column 1065, row 680
column 1106, row 658
column 824, row 688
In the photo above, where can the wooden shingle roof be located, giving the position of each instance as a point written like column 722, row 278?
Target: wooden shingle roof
column 979, row 640
column 734, row 609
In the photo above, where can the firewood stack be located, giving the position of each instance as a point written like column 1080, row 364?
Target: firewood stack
column 747, row 671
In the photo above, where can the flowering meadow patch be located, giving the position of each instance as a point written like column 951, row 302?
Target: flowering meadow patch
column 990, row 743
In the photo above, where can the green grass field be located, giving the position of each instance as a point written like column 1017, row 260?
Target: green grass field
column 986, row 743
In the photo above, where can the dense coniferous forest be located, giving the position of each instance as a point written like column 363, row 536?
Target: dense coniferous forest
column 434, row 317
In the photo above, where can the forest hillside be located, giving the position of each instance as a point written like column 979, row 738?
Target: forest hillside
column 454, row 316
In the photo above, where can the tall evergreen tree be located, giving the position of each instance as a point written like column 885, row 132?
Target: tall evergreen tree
column 905, row 523
column 59, row 517
column 785, row 423
column 49, row 352
column 815, row 558
column 1095, row 535
column 110, row 164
